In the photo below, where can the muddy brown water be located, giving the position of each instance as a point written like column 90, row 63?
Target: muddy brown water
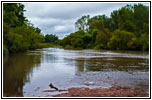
column 28, row 74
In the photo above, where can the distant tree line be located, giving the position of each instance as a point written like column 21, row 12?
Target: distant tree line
column 51, row 38
column 125, row 29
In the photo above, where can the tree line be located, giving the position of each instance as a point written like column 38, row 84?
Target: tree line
column 125, row 29
column 19, row 34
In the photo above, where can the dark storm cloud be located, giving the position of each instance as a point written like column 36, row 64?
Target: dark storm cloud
column 59, row 18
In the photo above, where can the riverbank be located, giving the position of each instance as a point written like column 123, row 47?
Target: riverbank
column 102, row 92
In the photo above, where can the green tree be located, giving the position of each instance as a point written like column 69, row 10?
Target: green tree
column 102, row 18
column 141, row 19
column 101, row 40
column 82, row 23
column 87, row 38
column 50, row 38
column 125, row 19
column 13, row 14
column 114, row 21
column 18, row 33
column 125, row 29
column 144, row 41
column 37, row 30
column 120, row 40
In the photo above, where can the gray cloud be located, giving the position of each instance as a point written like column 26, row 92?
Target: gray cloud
column 59, row 18
column 68, row 10
column 53, row 26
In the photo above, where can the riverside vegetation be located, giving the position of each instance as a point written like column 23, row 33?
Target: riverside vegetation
column 123, row 72
column 19, row 34
column 125, row 29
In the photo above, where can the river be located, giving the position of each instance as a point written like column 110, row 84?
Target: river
column 28, row 74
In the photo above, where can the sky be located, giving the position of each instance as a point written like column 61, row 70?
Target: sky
column 59, row 18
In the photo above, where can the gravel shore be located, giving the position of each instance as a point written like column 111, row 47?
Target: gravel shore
column 103, row 92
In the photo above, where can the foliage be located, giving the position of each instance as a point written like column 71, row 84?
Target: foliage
column 125, row 19
column 13, row 14
column 14, row 43
column 50, row 38
column 120, row 40
column 82, row 23
column 125, row 29
column 68, row 47
column 144, row 40
column 18, row 33
column 43, row 45
column 102, row 39
column 114, row 20
column 79, row 39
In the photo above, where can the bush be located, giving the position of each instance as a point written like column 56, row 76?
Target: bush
column 144, row 40
column 68, row 47
column 50, row 38
column 120, row 40
column 43, row 45
column 99, row 46
column 15, row 43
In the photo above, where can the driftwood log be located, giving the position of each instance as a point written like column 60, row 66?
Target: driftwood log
column 52, row 86
column 56, row 89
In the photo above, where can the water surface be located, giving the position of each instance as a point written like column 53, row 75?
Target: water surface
column 28, row 74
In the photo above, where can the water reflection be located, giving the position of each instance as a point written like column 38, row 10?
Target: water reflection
column 80, row 66
column 16, row 71
column 112, row 64
column 24, row 72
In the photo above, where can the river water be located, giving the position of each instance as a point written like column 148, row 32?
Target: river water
column 28, row 74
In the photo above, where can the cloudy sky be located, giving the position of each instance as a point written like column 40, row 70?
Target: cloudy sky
column 59, row 18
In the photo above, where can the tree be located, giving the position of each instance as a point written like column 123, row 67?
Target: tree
column 98, row 24
column 105, row 20
column 18, row 33
column 125, row 29
column 125, row 19
column 141, row 18
column 120, row 40
column 13, row 14
column 87, row 38
column 82, row 23
column 114, row 21
column 50, row 38
column 37, row 30
column 144, row 41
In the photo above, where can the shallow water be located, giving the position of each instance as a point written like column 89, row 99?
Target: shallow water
column 28, row 74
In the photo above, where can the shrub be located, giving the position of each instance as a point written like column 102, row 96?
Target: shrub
column 120, row 40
